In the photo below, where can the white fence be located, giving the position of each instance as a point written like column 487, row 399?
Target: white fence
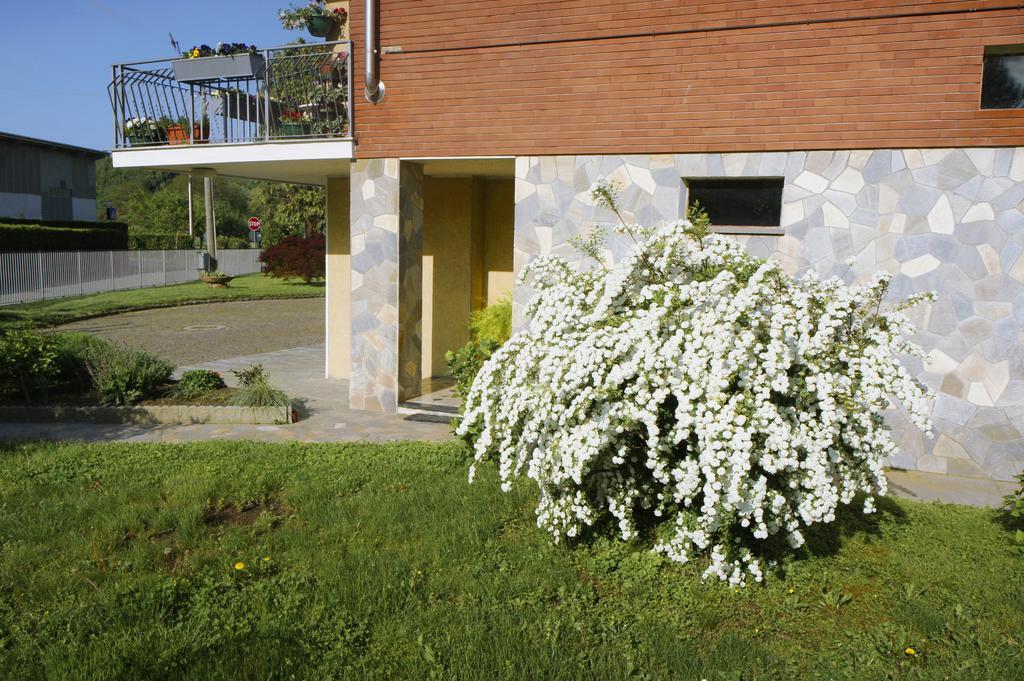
column 56, row 274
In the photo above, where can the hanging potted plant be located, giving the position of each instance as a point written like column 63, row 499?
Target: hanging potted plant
column 315, row 17
column 227, row 61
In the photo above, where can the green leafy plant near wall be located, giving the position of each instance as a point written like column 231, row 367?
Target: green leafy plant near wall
column 489, row 328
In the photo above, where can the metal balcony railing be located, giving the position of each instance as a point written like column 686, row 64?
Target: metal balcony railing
column 293, row 92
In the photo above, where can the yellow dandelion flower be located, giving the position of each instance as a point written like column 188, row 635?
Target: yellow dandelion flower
column 266, row 559
column 239, row 565
column 910, row 651
column 792, row 590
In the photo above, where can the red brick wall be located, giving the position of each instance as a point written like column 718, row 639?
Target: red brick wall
column 908, row 81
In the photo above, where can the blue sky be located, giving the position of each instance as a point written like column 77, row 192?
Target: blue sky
column 57, row 56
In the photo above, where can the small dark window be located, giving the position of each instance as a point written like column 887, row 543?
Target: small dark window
column 1002, row 80
column 738, row 203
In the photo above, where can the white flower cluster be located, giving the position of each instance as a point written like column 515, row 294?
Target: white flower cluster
column 698, row 385
column 140, row 123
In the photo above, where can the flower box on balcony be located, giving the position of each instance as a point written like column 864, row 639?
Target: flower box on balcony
column 178, row 134
column 235, row 66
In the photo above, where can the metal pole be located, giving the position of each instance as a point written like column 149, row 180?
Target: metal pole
column 266, row 96
column 211, row 224
column 163, row 259
column 117, row 140
column 81, row 286
column 122, row 103
column 191, row 224
column 350, row 104
column 111, row 270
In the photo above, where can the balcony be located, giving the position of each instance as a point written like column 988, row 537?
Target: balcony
column 283, row 113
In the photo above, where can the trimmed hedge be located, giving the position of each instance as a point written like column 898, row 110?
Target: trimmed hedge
column 17, row 237
column 67, row 224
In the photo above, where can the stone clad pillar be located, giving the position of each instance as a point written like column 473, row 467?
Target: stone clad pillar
column 387, row 283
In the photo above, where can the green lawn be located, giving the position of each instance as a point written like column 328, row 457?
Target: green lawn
column 64, row 310
column 380, row 561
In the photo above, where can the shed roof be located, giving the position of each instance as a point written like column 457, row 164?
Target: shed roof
column 95, row 153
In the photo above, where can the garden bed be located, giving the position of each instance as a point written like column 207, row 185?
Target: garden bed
column 77, row 377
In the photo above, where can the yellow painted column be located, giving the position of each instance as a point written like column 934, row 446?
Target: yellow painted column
column 339, row 285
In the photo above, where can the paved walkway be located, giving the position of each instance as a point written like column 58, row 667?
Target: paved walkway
column 200, row 333
column 326, row 417
column 322, row 404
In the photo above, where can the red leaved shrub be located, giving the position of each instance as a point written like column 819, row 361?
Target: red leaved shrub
column 296, row 256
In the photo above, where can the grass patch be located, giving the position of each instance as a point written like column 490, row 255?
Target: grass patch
column 245, row 560
column 65, row 310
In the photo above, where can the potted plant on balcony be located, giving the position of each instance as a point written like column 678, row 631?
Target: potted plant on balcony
column 227, row 61
column 295, row 123
column 315, row 17
column 143, row 130
column 177, row 130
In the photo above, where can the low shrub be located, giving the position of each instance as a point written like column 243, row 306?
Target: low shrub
column 251, row 376
column 198, row 382
column 28, row 364
column 74, row 351
column 464, row 364
column 493, row 322
column 698, row 391
column 489, row 328
column 124, row 375
column 255, row 390
column 296, row 257
column 37, row 238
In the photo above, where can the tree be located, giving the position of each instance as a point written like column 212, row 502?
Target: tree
column 153, row 202
column 289, row 210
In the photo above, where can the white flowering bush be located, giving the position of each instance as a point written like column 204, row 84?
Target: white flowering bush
column 699, row 388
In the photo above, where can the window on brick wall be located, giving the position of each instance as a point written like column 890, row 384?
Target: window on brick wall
column 1002, row 80
column 739, row 205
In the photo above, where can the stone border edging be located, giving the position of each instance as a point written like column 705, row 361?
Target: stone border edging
column 149, row 415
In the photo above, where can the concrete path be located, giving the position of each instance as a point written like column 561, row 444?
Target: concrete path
column 322, row 404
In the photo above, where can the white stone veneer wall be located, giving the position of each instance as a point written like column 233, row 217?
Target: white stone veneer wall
column 947, row 220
